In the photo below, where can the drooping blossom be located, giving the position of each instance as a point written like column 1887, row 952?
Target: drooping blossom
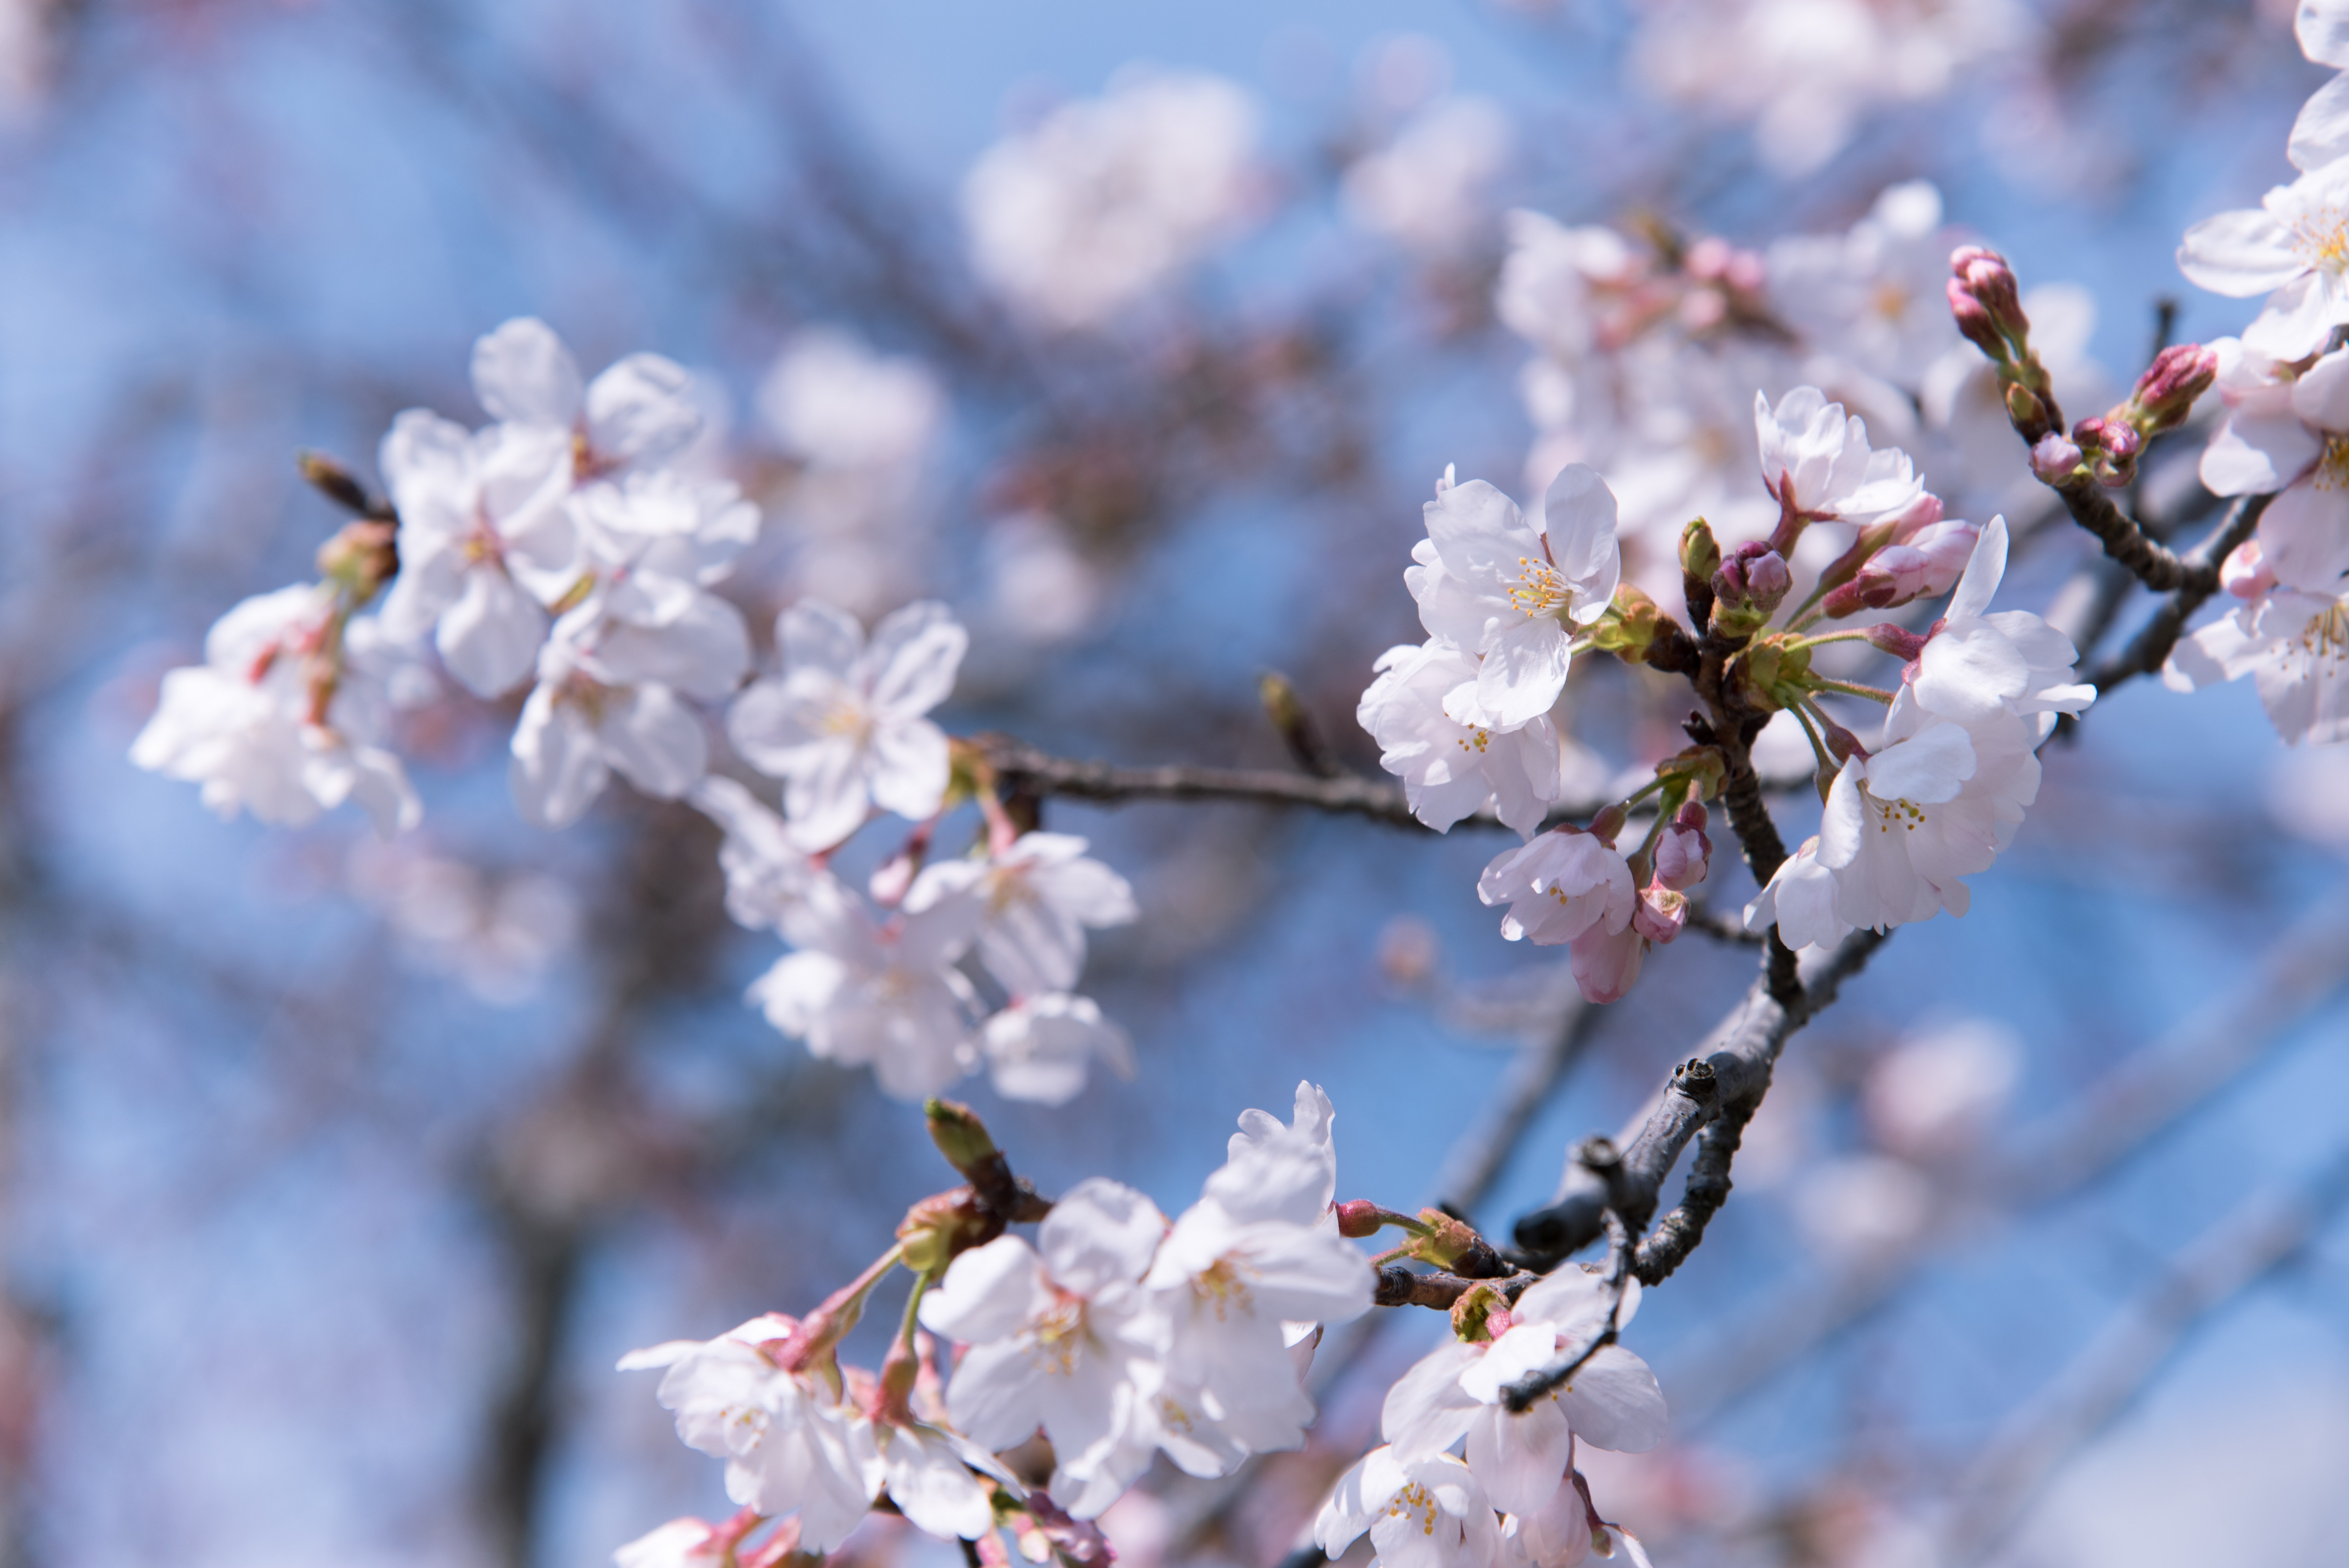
column 1450, row 769
column 1428, row 1513
column 1105, row 199
column 1493, row 585
column 1606, row 961
column 1035, row 898
column 791, row 1443
column 285, row 715
column 843, row 725
column 485, row 542
column 868, row 992
column 1454, row 1397
column 2293, row 248
column 637, row 414
column 1041, row 1047
column 1564, row 883
column 1062, row 1335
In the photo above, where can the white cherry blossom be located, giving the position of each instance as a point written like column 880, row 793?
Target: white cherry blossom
column 927, row 1471
column 1452, row 770
column 1564, row 883
column 767, row 874
column 2294, row 248
column 790, row 1440
column 1816, row 462
column 1106, row 199
column 865, row 993
column 1801, row 901
column 607, row 700
column 1492, row 584
column 1453, row 1395
column 1426, row 1512
column 1062, row 1336
column 1979, row 661
column 2290, row 436
column 1040, row 1047
column 842, row 726
column 637, row 414
column 1241, row 1273
column 2295, row 647
column 244, row 724
column 1036, row 897
column 656, row 539
column 485, row 541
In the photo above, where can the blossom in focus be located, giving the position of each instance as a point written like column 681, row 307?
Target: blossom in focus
column 868, row 993
column 637, row 414
column 2289, row 437
column 1816, row 462
column 1035, row 898
column 2293, row 248
column 2295, row 647
column 284, row 715
column 1040, row 1048
column 1427, row 1512
column 1980, row 662
column 790, row 1441
column 843, row 725
column 1062, row 1335
column 1240, row 1275
column 1453, row 1397
column 1101, row 203
column 1451, row 770
column 1425, row 189
column 1490, row 585
column 485, row 541
column 1563, row 883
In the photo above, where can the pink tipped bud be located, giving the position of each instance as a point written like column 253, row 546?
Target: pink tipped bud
column 1753, row 577
column 2055, row 459
column 1746, row 272
column 1931, row 563
column 1915, row 518
column 2110, row 445
column 1899, row 642
column 1709, row 258
column 1683, row 855
column 2165, row 394
column 1693, row 817
column 1359, row 1217
column 2245, row 572
column 1660, row 913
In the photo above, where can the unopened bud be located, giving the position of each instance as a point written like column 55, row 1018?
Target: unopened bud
column 961, row 1137
column 2055, row 457
column 2024, row 412
column 1631, row 625
column 2110, row 445
column 1605, row 826
column 2245, row 572
column 1481, row 1314
column 1683, row 850
column 360, row 558
column 1753, row 577
column 1898, row 641
column 1980, row 277
column 1700, row 556
column 1359, row 1217
column 941, row 1227
column 1660, row 913
column 2165, row 394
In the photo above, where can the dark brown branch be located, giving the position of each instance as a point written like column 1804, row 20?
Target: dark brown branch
column 2151, row 563
column 1398, row 1286
column 1734, row 1072
column 2151, row 646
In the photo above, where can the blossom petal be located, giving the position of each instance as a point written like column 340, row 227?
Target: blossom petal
column 2240, row 253
column 522, row 372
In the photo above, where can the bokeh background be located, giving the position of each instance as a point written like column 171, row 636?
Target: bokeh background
column 337, row 1173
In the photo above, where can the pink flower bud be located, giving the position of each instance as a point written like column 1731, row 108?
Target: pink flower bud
column 1746, row 272
column 1915, row 518
column 1709, row 258
column 2055, row 459
column 1901, row 642
column 1683, row 855
column 2245, row 572
column 1358, row 1218
column 2165, row 394
column 1753, row 575
column 1606, row 825
column 1660, row 913
column 1986, row 302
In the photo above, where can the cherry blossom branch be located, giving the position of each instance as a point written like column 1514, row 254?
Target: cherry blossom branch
column 2031, row 1448
column 2125, row 539
column 1520, row 1395
column 1733, row 1072
column 2152, row 644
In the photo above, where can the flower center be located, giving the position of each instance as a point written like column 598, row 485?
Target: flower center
column 1901, row 812
column 849, row 719
column 1475, row 740
column 1057, row 1336
column 1414, row 1501
column 2326, row 635
column 2320, row 236
column 1541, row 588
column 2332, row 467
column 1221, row 1287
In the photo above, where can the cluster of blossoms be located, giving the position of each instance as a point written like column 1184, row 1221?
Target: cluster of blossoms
column 2285, row 385
column 1651, row 347
column 1466, row 719
column 1118, row 1335
column 566, row 545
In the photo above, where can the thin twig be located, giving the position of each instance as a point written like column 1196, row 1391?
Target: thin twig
column 2151, row 646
